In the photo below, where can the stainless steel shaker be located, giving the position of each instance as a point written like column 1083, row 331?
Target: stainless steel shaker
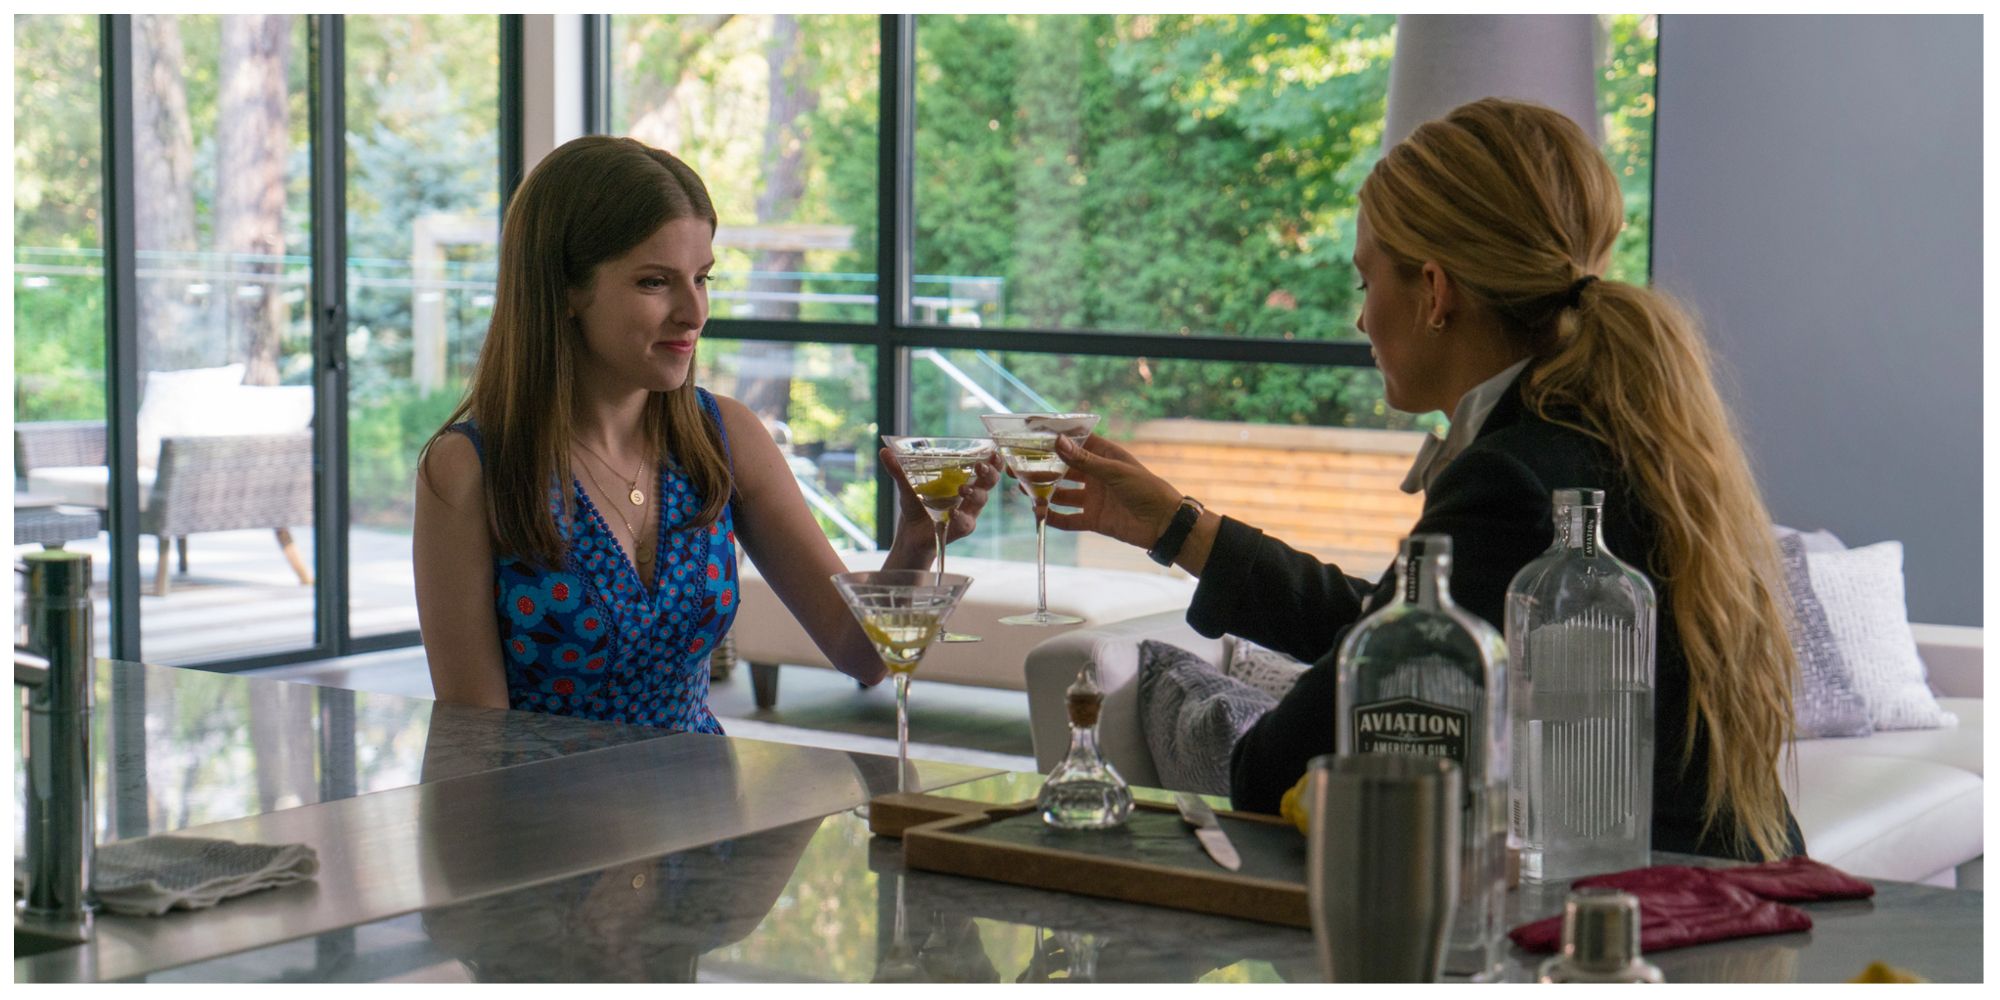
column 1382, row 864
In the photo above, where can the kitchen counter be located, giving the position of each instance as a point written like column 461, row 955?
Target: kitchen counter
column 413, row 805
column 505, row 847
column 822, row 901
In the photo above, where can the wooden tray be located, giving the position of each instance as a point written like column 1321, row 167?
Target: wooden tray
column 1153, row 859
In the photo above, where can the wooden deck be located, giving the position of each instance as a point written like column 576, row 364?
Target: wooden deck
column 240, row 597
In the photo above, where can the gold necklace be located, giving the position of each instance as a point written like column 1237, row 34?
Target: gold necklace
column 637, row 497
column 615, row 512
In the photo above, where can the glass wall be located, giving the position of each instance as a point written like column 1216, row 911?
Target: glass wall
column 225, row 460
column 423, row 233
column 59, row 293
column 1193, row 176
column 778, row 114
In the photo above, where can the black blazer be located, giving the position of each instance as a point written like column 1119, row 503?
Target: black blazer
column 1494, row 500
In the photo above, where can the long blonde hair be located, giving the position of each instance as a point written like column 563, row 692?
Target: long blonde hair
column 589, row 201
column 1517, row 206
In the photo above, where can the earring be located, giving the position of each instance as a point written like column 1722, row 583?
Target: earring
column 1437, row 327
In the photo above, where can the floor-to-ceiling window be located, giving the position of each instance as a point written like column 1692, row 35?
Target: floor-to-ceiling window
column 253, row 379
column 779, row 115
column 1146, row 216
column 423, row 235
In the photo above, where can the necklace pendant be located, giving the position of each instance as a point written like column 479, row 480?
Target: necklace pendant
column 637, row 497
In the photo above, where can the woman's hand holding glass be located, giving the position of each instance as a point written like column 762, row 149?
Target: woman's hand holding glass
column 913, row 521
column 1116, row 495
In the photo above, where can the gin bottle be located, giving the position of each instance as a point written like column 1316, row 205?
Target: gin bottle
column 1423, row 676
column 1580, row 639
column 1084, row 792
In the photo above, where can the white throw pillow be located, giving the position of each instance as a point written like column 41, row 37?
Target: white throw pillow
column 1861, row 591
column 1821, row 540
column 1262, row 668
column 175, row 403
column 269, row 409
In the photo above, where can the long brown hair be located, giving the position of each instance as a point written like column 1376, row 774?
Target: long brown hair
column 590, row 201
column 1517, row 206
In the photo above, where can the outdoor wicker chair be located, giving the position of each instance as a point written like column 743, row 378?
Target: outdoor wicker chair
column 52, row 443
column 203, row 483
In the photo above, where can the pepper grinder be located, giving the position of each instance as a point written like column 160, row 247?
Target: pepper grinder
column 1600, row 942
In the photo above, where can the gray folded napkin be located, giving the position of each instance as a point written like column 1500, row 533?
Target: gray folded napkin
column 150, row 876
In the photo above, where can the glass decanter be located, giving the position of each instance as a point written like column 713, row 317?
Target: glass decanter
column 1580, row 627
column 1085, row 792
column 1423, row 676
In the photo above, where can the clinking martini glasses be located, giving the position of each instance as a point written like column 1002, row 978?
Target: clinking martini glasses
column 1028, row 442
column 939, row 469
column 901, row 610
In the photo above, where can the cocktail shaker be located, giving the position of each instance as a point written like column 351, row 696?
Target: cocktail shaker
column 1382, row 864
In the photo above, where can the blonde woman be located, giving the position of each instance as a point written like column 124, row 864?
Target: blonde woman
column 1480, row 243
column 578, row 514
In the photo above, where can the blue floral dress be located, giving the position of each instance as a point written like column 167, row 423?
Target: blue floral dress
column 592, row 640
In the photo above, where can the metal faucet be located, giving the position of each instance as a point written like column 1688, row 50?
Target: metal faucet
column 56, row 668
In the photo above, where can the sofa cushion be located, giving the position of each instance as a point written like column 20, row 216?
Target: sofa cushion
column 1192, row 714
column 83, row 485
column 173, row 403
column 1960, row 746
column 1262, row 668
column 1826, row 702
column 766, row 632
column 1880, row 816
column 1861, row 591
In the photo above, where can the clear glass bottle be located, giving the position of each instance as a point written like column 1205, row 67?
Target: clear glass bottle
column 1423, row 676
column 1085, row 792
column 1580, row 640
column 1600, row 941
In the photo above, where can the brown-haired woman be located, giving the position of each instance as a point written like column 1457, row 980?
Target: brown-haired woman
column 577, row 515
column 1480, row 241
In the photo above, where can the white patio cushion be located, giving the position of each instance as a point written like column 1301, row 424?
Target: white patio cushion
column 83, row 485
column 183, row 402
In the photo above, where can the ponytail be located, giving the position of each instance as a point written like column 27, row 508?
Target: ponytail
column 1520, row 208
column 1629, row 368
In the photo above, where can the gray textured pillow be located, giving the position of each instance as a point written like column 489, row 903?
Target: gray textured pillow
column 1192, row 716
column 1826, row 702
column 1262, row 668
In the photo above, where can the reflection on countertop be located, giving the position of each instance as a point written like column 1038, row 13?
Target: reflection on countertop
column 175, row 747
column 465, row 804
column 823, row 901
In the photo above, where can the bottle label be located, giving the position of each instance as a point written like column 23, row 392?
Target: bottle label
column 1407, row 725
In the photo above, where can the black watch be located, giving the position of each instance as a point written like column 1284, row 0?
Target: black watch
column 1171, row 540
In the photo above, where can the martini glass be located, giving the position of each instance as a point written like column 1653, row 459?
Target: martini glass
column 939, row 469
column 1028, row 442
column 902, row 610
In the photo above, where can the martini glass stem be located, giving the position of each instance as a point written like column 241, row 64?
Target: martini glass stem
column 939, row 527
column 1042, row 561
column 902, row 731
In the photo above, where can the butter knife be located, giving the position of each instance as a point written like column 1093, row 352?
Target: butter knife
column 1208, row 830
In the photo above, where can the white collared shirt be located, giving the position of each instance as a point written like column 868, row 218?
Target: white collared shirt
column 1471, row 412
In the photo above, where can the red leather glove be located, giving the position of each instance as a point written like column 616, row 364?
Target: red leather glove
column 1681, row 905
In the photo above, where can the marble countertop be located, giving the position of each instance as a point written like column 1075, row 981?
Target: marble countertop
column 443, row 804
column 821, row 900
column 494, row 847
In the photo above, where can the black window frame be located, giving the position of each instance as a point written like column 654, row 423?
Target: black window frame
column 892, row 334
column 327, row 152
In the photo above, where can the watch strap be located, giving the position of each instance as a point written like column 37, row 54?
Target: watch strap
column 1176, row 535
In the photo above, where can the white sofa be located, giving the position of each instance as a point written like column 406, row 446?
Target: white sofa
column 766, row 634
column 1906, row 806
